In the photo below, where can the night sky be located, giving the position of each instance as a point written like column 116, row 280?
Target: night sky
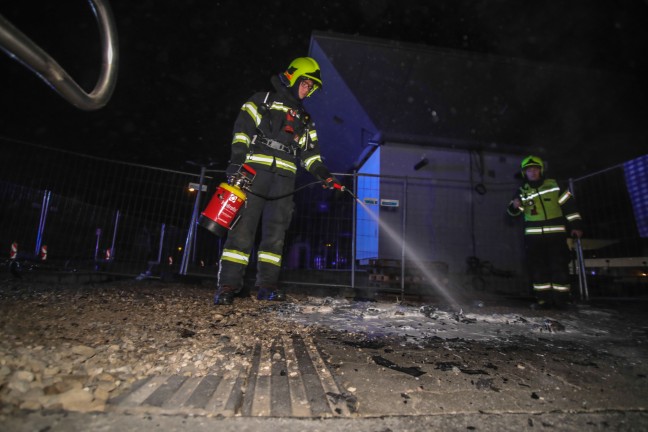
column 187, row 66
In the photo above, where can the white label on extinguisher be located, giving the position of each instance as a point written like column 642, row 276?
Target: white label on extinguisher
column 228, row 212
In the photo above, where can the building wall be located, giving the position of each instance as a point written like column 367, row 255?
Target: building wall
column 343, row 126
column 441, row 215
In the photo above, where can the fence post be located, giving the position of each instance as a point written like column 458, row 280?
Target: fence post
column 192, row 227
column 161, row 245
column 403, row 233
column 43, row 217
column 582, row 275
column 96, row 252
column 353, row 230
column 114, row 239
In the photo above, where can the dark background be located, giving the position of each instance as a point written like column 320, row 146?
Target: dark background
column 187, row 66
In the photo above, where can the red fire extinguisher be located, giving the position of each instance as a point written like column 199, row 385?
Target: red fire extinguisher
column 222, row 212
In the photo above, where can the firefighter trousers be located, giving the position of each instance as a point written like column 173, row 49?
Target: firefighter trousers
column 548, row 264
column 275, row 216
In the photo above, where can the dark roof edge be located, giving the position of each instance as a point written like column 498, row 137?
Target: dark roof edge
column 470, row 55
column 451, row 143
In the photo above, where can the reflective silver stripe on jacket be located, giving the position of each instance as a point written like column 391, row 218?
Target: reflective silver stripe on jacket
column 240, row 137
column 542, row 192
column 267, row 161
column 252, row 110
column 309, row 161
column 564, row 197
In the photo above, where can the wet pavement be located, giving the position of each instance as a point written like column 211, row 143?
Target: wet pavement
column 332, row 363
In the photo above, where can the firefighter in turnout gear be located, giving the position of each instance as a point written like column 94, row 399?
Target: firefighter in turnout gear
column 550, row 215
column 273, row 134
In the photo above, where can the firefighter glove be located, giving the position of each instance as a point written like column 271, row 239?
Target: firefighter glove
column 231, row 170
column 331, row 183
column 237, row 159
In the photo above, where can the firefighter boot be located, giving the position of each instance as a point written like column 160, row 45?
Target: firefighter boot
column 271, row 293
column 224, row 295
column 540, row 304
column 563, row 301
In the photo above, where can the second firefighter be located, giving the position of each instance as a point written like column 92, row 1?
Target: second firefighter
column 550, row 215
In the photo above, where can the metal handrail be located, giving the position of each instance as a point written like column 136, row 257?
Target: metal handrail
column 18, row 46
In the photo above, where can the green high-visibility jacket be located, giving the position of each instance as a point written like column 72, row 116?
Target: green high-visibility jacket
column 546, row 208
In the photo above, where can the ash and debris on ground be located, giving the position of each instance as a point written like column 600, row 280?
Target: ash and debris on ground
column 76, row 347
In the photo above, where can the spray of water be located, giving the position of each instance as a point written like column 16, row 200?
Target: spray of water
column 412, row 256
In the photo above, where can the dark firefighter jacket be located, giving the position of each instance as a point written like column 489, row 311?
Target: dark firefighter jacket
column 547, row 209
column 274, row 132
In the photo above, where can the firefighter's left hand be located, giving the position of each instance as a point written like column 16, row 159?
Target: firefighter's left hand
column 577, row 233
column 232, row 169
column 231, row 172
column 331, row 183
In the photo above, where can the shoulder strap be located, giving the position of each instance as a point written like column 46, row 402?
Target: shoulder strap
column 263, row 108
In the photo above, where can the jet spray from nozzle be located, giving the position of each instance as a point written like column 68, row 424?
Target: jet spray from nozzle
column 344, row 189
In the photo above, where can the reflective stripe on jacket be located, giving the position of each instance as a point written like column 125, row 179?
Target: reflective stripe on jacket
column 279, row 117
column 546, row 208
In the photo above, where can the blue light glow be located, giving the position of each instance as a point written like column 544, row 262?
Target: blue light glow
column 636, row 176
column 366, row 226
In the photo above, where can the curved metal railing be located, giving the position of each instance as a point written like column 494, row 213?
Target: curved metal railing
column 23, row 49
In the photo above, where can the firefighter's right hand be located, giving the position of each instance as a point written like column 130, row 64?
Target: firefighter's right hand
column 331, row 183
column 517, row 203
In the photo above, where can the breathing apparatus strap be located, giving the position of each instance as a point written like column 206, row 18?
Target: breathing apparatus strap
column 273, row 144
column 259, row 138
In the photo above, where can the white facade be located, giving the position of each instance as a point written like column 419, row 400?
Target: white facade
column 443, row 214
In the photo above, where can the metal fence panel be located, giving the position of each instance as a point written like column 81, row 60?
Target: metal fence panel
column 78, row 213
column 615, row 253
column 100, row 213
column 129, row 219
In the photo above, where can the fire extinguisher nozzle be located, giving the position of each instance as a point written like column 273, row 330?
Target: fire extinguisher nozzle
column 350, row 193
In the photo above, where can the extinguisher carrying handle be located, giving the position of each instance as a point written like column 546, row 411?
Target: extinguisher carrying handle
column 249, row 169
column 240, row 175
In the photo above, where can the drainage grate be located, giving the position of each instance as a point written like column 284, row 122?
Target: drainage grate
column 288, row 378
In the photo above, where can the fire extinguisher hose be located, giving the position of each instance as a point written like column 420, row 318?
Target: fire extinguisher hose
column 273, row 198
